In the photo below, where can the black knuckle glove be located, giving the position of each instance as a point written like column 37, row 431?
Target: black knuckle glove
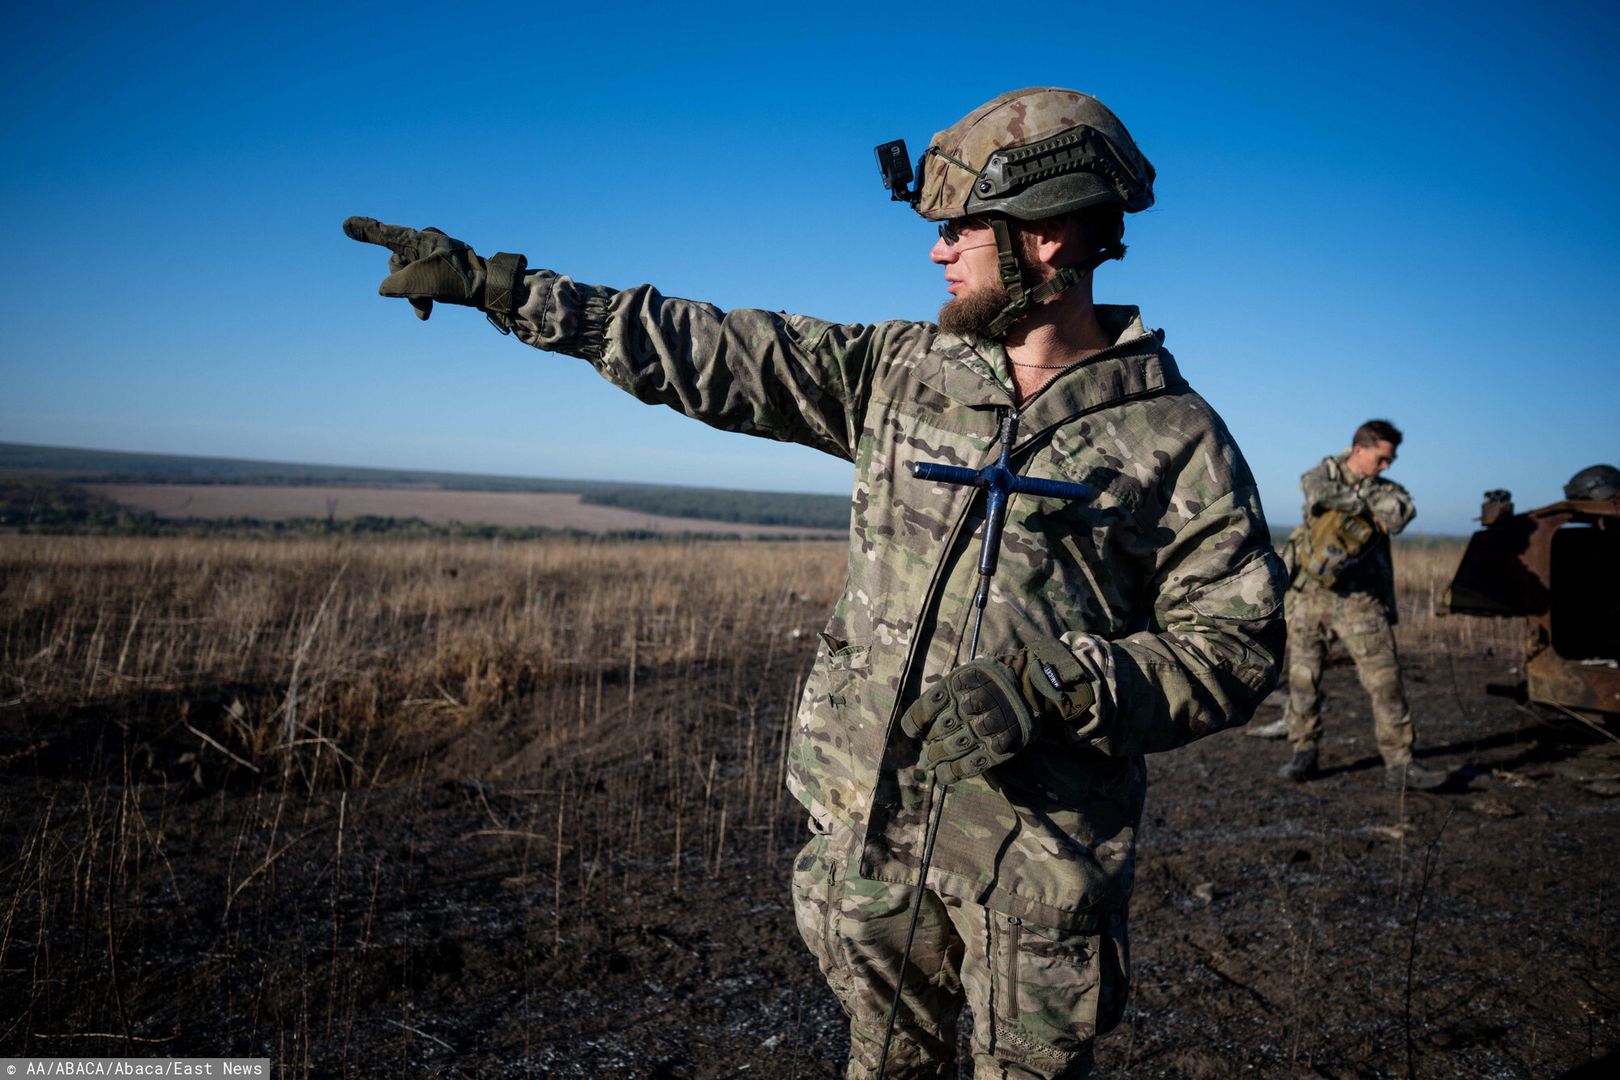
column 972, row 720
column 426, row 265
column 986, row 711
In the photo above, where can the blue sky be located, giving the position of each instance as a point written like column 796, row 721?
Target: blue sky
column 1363, row 210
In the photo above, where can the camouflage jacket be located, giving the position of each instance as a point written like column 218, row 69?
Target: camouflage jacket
column 1331, row 486
column 1166, row 589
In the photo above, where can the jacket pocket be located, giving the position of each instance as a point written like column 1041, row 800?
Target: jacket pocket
column 1253, row 593
column 843, row 666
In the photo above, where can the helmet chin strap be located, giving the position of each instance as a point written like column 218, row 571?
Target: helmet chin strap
column 1012, row 279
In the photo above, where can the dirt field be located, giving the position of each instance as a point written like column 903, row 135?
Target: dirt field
column 273, row 502
column 464, row 810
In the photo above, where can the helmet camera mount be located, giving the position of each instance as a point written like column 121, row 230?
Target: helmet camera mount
column 895, row 166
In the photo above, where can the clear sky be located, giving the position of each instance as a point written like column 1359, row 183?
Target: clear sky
column 1370, row 209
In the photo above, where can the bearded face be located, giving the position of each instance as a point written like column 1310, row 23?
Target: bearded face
column 971, row 314
column 983, row 295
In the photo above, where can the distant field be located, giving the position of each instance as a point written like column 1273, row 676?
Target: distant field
column 516, row 509
column 23, row 466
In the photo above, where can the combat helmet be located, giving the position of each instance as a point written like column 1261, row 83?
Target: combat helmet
column 1594, row 482
column 1026, row 155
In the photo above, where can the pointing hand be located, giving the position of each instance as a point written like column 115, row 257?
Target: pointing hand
column 426, row 265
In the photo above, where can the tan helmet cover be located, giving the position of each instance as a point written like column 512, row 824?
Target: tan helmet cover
column 963, row 169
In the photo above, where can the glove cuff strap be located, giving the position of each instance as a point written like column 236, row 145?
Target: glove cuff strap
column 504, row 274
column 1058, row 671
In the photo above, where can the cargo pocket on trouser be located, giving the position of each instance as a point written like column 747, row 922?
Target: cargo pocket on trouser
column 1371, row 641
column 1366, row 636
column 856, row 929
column 1047, row 997
column 1114, row 971
column 817, row 889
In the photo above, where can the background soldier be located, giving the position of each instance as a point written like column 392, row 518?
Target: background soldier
column 1344, row 584
column 1133, row 625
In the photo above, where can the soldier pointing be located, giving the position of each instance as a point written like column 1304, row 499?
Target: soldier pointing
column 1132, row 624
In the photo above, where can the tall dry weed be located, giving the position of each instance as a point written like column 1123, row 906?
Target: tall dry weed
column 1423, row 572
column 294, row 645
column 212, row 737
column 311, row 643
column 259, row 773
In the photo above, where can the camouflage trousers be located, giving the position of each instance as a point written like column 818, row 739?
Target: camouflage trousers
column 1314, row 617
column 1037, row 996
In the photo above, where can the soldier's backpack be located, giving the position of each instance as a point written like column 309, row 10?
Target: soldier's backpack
column 1333, row 542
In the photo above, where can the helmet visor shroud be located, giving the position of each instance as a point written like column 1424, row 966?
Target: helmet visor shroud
column 1027, row 155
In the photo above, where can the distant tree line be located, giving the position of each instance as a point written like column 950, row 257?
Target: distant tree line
column 44, row 506
column 21, row 462
column 119, row 467
column 36, row 505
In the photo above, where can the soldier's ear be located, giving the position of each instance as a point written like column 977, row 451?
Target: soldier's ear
column 1050, row 237
column 1060, row 241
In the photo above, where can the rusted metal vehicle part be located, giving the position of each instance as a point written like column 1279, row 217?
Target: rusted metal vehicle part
column 1557, row 567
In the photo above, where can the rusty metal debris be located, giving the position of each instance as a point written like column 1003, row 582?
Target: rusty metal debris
column 1558, row 568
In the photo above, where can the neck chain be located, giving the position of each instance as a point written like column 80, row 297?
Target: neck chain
column 1085, row 354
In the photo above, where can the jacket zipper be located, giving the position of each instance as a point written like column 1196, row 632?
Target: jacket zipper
column 935, row 584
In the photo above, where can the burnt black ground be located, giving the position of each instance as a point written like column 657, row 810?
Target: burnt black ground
column 477, row 909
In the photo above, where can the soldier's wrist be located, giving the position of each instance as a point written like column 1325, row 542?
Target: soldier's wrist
column 503, row 279
column 1055, row 683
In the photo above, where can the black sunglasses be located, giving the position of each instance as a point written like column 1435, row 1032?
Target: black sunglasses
column 951, row 231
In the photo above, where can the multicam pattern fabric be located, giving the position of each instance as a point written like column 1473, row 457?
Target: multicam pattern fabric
column 1166, row 589
column 1314, row 617
column 958, row 154
column 1359, row 609
column 1331, row 486
column 1041, row 995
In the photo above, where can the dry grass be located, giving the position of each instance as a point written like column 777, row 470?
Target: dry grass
column 227, row 750
column 340, row 645
column 1423, row 572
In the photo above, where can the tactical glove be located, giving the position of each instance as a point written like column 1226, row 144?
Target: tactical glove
column 986, row 711
column 426, row 265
